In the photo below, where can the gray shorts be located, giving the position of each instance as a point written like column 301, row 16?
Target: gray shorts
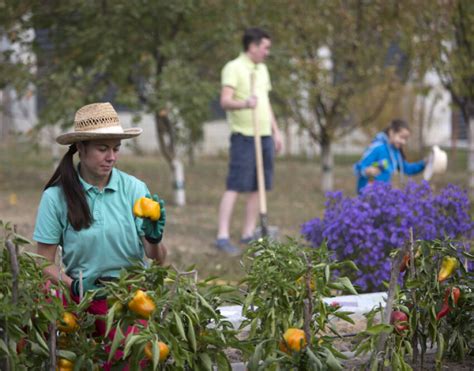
column 242, row 176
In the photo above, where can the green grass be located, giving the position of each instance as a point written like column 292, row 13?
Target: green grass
column 191, row 230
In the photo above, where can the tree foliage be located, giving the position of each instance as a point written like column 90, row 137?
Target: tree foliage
column 444, row 34
column 153, row 57
column 334, row 64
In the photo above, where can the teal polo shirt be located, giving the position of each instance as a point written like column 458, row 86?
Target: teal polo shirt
column 236, row 74
column 111, row 242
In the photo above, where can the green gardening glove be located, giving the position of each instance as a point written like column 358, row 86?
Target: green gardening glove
column 154, row 229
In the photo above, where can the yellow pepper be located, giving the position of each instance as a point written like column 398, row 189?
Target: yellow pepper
column 65, row 365
column 293, row 340
column 142, row 304
column 68, row 323
column 147, row 208
column 164, row 351
column 448, row 266
column 302, row 281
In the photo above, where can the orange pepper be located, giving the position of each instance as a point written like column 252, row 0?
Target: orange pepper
column 293, row 339
column 142, row 304
column 68, row 323
column 164, row 351
column 145, row 207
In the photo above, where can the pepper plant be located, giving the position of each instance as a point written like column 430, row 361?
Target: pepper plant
column 388, row 344
column 437, row 303
column 186, row 319
column 23, row 312
column 31, row 308
column 286, row 284
column 440, row 299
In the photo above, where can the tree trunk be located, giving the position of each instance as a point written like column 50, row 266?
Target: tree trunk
column 178, row 182
column 419, row 118
column 288, row 138
column 471, row 155
column 454, row 133
column 167, row 140
column 191, row 152
column 421, row 123
column 53, row 133
column 6, row 121
column 327, row 163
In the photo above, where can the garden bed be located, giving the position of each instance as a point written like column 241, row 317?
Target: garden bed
column 358, row 304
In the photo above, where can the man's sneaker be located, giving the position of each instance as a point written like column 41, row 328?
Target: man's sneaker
column 224, row 245
column 247, row 240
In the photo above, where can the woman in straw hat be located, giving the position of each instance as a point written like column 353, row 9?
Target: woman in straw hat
column 88, row 209
column 385, row 157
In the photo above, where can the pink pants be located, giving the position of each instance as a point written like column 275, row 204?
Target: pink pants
column 100, row 307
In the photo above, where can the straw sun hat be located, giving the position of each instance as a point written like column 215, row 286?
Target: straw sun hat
column 97, row 121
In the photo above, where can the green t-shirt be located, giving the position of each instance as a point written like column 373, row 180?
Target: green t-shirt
column 110, row 242
column 236, row 74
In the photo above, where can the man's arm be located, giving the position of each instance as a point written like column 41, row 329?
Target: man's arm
column 277, row 138
column 229, row 103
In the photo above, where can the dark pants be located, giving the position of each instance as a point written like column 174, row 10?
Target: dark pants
column 242, row 176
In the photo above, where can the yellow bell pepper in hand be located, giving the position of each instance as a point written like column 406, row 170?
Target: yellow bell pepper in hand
column 147, row 208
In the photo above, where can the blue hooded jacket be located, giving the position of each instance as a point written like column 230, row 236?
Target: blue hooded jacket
column 380, row 150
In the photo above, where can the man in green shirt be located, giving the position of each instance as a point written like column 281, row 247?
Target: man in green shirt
column 245, row 87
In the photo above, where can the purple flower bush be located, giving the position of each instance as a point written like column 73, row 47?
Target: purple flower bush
column 367, row 227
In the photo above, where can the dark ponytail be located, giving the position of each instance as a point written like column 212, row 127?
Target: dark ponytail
column 396, row 125
column 65, row 176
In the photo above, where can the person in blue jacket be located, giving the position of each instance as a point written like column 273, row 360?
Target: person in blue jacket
column 385, row 156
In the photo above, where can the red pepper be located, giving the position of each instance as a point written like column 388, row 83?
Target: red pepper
column 405, row 262
column 456, row 295
column 399, row 320
column 445, row 309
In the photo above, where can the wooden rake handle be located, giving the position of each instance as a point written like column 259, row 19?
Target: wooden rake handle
column 262, row 197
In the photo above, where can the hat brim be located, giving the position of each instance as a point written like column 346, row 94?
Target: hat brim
column 437, row 164
column 428, row 172
column 74, row 137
